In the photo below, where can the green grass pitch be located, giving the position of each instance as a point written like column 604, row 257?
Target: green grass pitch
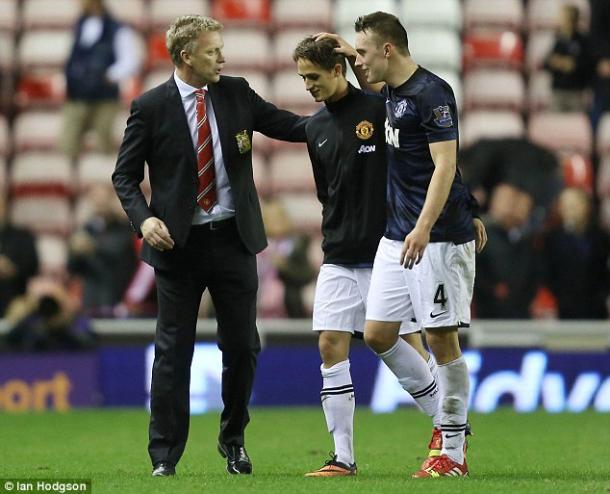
column 510, row 453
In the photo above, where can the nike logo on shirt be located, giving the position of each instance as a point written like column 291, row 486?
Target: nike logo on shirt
column 320, row 144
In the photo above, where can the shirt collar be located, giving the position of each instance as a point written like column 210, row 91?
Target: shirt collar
column 186, row 90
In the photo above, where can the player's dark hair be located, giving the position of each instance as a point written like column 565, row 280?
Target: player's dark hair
column 386, row 27
column 321, row 53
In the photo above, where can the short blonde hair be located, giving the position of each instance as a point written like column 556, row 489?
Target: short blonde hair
column 184, row 33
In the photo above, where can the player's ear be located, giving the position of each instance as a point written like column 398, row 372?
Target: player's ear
column 387, row 49
column 337, row 70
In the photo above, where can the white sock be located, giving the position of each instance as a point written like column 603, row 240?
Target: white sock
column 437, row 418
column 413, row 375
column 455, row 386
column 338, row 403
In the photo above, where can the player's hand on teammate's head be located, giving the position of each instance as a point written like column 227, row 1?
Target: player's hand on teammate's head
column 480, row 234
column 344, row 47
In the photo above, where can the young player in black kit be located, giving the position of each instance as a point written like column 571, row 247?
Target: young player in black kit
column 346, row 144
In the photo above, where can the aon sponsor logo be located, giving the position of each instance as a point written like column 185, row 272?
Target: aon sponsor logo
column 366, row 149
column 391, row 135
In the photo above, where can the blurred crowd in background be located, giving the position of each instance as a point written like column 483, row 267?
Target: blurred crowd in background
column 532, row 80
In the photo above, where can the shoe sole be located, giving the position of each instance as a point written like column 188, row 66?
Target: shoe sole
column 330, row 474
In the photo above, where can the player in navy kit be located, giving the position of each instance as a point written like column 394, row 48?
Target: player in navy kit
column 424, row 266
column 346, row 144
column 425, row 263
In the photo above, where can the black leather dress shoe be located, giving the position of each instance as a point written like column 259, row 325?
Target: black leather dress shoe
column 238, row 461
column 163, row 470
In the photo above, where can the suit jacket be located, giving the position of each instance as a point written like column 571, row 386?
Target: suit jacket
column 157, row 133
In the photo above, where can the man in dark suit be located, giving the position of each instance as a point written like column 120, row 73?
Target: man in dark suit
column 202, row 229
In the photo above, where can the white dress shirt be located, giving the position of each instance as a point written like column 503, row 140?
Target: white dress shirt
column 125, row 45
column 225, row 207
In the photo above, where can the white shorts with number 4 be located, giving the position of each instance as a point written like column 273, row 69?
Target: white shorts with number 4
column 340, row 300
column 437, row 292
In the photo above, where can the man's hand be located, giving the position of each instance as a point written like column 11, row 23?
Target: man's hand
column 344, row 47
column 156, row 234
column 414, row 246
column 480, row 234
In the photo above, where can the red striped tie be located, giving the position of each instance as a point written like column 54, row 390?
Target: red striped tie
column 206, row 191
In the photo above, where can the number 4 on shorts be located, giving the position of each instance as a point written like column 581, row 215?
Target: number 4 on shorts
column 439, row 296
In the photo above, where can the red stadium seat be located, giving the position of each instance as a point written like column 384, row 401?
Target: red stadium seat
column 38, row 174
column 561, row 131
column 283, row 45
column 497, row 14
column 313, row 14
column 494, row 89
column 242, row 11
column 94, row 168
column 477, row 125
column 577, row 171
column 157, row 51
column 133, row 12
column 50, row 14
column 290, row 171
column 163, row 13
column 439, row 13
column 35, row 130
column 41, row 87
column 44, row 49
column 493, row 49
column 45, row 214
column 246, row 48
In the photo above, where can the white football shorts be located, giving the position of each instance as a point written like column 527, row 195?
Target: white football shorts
column 436, row 293
column 340, row 300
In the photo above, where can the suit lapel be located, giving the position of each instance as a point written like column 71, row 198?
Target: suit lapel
column 177, row 118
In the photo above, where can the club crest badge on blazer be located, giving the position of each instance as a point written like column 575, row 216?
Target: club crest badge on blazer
column 243, row 141
column 364, row 130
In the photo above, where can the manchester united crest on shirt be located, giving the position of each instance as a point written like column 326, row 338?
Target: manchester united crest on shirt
column 364, row 130
column 442, row 116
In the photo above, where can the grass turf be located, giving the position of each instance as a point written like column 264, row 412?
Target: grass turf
column 534, row 453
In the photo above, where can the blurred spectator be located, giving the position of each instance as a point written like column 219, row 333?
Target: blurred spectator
column 577, row 259
column 600, row 41
column 569, row 63
column 284, row 268
column 18, row 259
column 104, row 53
column 45, row 320
column 515, row 161
column 102, row 253
column 508, row 269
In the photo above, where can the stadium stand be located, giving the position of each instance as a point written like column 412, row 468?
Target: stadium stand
column 499, row 14
column 440, row 13
column 490, row 52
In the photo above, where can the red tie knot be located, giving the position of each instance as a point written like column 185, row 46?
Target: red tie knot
column 200, row 94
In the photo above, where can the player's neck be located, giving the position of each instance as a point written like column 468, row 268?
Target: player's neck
column 401, row 71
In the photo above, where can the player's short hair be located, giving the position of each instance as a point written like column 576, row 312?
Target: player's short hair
column 386, row 27
column 184, row 33
column 321, row 53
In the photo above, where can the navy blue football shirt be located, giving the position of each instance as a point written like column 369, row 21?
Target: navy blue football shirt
column 419, row 112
